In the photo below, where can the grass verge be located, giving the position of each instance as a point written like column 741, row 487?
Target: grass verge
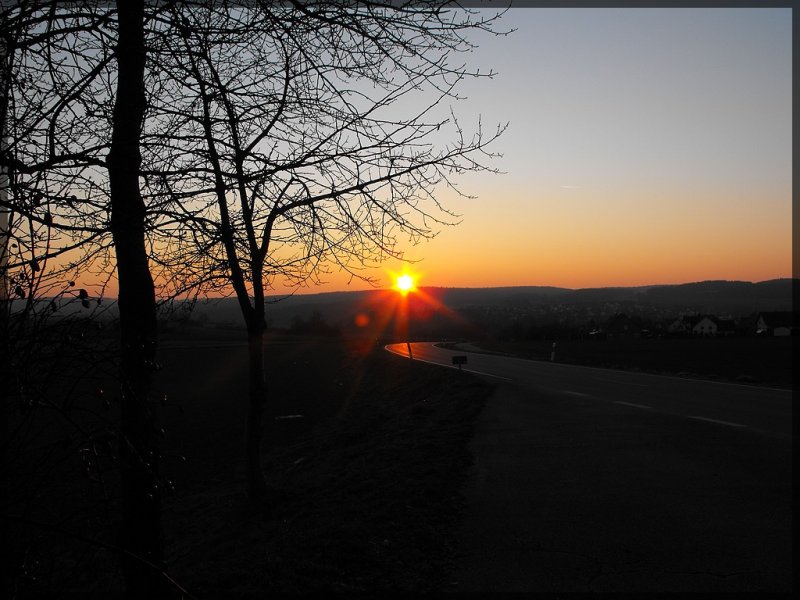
column 369, row 481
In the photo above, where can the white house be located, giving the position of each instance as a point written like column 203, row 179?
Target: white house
column 705, row 326
column 778, row 323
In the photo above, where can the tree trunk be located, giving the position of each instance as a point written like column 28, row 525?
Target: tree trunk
column 256, row 485
column 140, row 527
column 5, row 213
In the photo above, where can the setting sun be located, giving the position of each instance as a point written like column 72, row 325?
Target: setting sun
column 405, row 283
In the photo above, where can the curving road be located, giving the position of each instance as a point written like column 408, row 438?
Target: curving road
column 601, row 480
column 767, row 410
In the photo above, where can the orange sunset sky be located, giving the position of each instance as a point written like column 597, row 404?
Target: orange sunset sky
column 645, row 146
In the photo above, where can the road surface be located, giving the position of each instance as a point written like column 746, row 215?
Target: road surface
column 768, row 410
column 602, row 480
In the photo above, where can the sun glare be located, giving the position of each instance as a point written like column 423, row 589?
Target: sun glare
column 405, row 283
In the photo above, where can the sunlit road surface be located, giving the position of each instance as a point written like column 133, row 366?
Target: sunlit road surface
column 768, row 410
column 601, row 480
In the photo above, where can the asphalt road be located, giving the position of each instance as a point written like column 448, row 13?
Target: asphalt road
column 602, row 480
column 767, row 410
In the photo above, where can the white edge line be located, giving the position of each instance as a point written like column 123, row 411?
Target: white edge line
column 716, row 421
column 476, row 372
column 445, row 366
column 632, row 404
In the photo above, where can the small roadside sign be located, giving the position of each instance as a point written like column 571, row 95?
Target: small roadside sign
column 459, row 360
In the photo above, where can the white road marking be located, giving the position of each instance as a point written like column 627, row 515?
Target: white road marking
column 632, row 404
column 571, row 393
column 476, row 372
column 717, row 421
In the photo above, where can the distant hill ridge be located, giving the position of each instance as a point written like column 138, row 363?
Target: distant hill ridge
column 714, row 296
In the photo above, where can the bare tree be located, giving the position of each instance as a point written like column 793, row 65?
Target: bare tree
column 289, row 140
column 139, row 447
column 73, row 110
column 276, row 142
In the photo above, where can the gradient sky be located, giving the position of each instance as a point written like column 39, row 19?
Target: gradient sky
column 645, row 146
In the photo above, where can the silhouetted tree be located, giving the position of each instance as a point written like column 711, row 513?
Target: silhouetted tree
column 73, row 110
column 290, row 139
column 139, row 448
column 50, row 237
column 275, row 141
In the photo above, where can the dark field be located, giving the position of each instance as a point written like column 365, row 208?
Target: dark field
column 366, row 482
column 754, row 360
column 366, row 454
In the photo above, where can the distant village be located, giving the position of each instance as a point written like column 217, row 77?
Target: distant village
column 773, row 323
column 575, row 321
